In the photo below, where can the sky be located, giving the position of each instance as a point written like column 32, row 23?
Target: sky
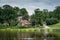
column 31, row 5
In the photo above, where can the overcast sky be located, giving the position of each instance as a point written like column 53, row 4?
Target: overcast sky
column 30, row 5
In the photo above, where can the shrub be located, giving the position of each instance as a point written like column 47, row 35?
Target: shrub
column 51, row 21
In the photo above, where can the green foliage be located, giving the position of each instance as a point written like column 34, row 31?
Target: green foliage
column 13, row 22
column 50, row 17
column 24, row 13
column 9, row 14
column 51, row 21
column 38, row 17
column 57, row 12
column 1, row 15
column 46, row 14
column 32, row 19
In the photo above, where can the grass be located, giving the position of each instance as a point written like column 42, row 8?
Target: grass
column 55, row 25
column 57, row 29
column 23, row 30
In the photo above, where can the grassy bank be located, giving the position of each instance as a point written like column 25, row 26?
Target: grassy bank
column 15, row 34
column 55, row 25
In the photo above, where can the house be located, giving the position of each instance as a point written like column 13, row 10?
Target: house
column 23, row 22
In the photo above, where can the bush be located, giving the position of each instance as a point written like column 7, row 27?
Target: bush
column 3, row 26
column 13, row 23
column 51, row 21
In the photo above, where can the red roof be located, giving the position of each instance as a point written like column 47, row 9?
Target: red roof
column 25, row 22
column 19, row 17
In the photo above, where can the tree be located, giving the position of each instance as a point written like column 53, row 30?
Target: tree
column 38, row 17
column 32, row 19
column 46, row 13
column 24, row 13
column 9, row 14
column 1, row 15
column 17, row 10
column 51, row 14
column 57, row 12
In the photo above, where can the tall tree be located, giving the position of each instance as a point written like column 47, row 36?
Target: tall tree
column 9, row 14
column 24, row 13
column 57, row 12
column 1, row 15
column 38, row 17
column 51, row 14
column 32, row 19
column 45, row 11
column 16, row 9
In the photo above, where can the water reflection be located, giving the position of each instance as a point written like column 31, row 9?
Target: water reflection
column 28, row 38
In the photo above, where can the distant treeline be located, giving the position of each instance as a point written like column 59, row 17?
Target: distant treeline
column 9, row 14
